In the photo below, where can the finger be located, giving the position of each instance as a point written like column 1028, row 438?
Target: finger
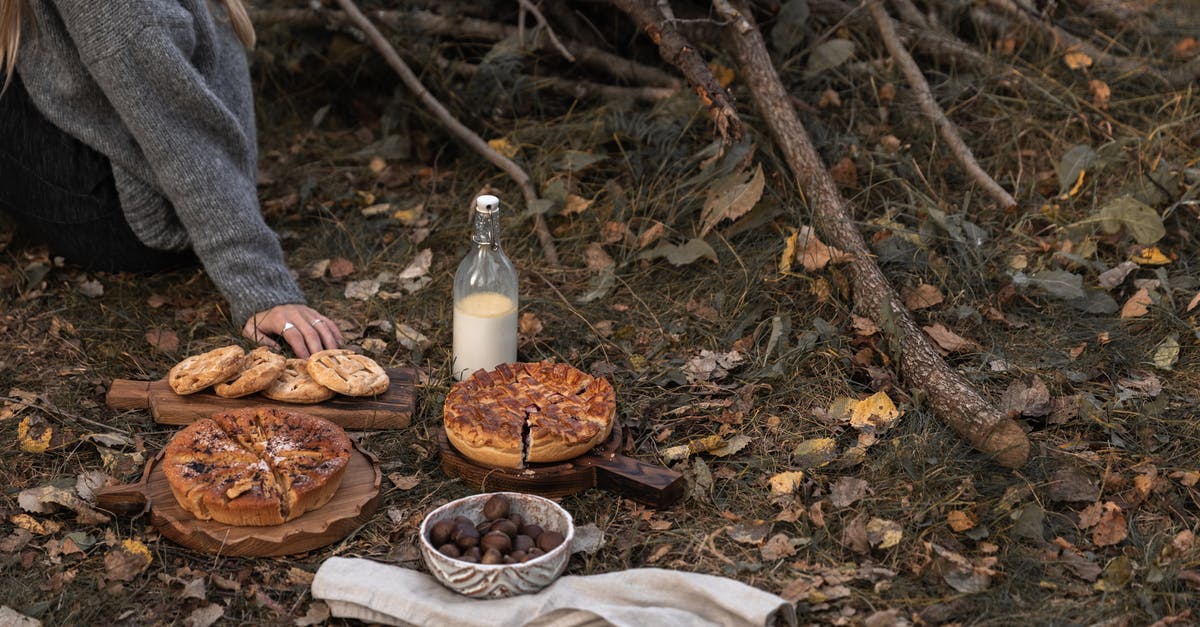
column 312, row 339
column 325, row 329
column 295, row 339
column 252, row 331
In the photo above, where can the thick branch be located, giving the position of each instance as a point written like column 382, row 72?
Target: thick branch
column 949, row 394
column 616, row 66
column 931, row 109
column 574, row 88
column 677, row 51
column 466, row 135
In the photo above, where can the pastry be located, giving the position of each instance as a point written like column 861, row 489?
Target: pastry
column 294, row 385
column 528, row 413
column 348, row 373
column 200, row 371
column 257, row 466
column 259, row 368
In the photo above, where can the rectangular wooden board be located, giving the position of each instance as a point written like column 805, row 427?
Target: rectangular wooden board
column 391, row 410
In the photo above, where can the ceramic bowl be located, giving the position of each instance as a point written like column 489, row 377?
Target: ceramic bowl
column 494, row 581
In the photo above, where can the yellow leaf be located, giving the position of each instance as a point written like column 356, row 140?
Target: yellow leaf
column 815, row 453
column 724, row 75
column 365, row 198
column 700, row 445
column 1138, row 305
column 137, row 548
column 960, row 520
column 1151, row 257
column 787, row 482
column 35, row 526
column 575, row 204
column 1078, row 184
column 33, row 438
column 883, row 534
column 789, row 253
column 503, row 146
column 1077, row 60
column 876, row 412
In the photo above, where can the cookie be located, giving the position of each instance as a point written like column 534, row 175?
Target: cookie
column 293, row 385
column 259, row 368
column 348, row 373
column 200, row 371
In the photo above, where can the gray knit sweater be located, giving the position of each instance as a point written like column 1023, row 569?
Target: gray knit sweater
column 161, row 87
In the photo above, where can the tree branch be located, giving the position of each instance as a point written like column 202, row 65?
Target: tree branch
column 931, row 109
column 948, row 393
column 466, row 135
column 677, row 51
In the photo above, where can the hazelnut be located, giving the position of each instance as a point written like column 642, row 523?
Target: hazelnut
column 522, row 543
column 439, row 533
column 533, row 531
column 534, row 552
column 517, row 519
column 505, row 525
column 549, row 539
column 474, row 553
column 518, row 556
column 465, row 536
column 495, row 507
column 497, row 540
column 449, row 550
column 484, row 527
column 469, row 558
column 491, row 556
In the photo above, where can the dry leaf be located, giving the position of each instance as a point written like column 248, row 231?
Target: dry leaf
column 1077, row 60
column 699, row 445
column 163, row 340
column 361, row 290
column 317, row 614
column 1110, row 528
column 1101, row 93
column 961, row 520
column 36, row 435
column 844, row 172
column 596, row 258
column 786, row 482
column 650, row 235
column 376, row 209
column 778, row 547
column 815, row 453
column 863, row 326
column 340, row 268
column 884, row 534
column 1026, row 398
column 924, row 295
column 876, row 413
column 127, row 560
column 318, row 268
column 723, row 74
column 529, row 325
column 711, row 366
column 575, row 204
column 947, row 340
column 35, row 526
column 829, row 98
column 846, row 491
column 504, row 147
column 205, row 615
column 730, row 198
column 1138, row 305
column 814, row 254
column 750, row 531
column 1151, row 256
column 404, row 482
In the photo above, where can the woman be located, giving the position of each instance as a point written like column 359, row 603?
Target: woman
column 127, row 142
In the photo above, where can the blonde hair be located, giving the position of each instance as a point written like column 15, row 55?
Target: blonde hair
column 10, row 31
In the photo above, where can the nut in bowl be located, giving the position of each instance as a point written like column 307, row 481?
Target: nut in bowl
column 498, row 544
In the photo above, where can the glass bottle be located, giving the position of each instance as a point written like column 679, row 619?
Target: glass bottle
column 485, row 298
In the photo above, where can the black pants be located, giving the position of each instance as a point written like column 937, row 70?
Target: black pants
column 61, row 193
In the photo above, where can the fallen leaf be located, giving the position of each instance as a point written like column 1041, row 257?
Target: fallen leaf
column 340, row 268
column 1111, row 528
column 1116, row 275
column 683, row 254
column 698, row 445
column 318, row 268
column 711, row 366
column 778, row 547
column 1140, row 220
column 731, row 197
column 1071, row 485
column 961, row 520
column 12, row 618
column 36, row 435
column 362, row 290
column 921, row 297
column 1030, row 523
column 1166, row 353
column 205, row 615
column 588, row 539
column 1117, row 573
column 876, row 412
column 91, row 289
column 1026, row 398
column 1138, row 305
column 883, row 533
column 863, row 326
column 815, row 453
column 1101, row 93
column 829, row 97
column 846, row 491
column 1083, row 567
column 404, row 482
column 1077, row 60
column 376, row 209
column 418, row 267
column 35, row 526
column 317, row 614
column 411, row 338
column 959, row 573
column 504, row 147
column 1195, row 301
column 1090, row 515
column 596, row 258
column 1151, row 256
column 749, row 531
column 731, row 446
column 829, row 55
column 650, row 235
column 163, row 340
column 813, row 254
column 127, row 560
column 947, row 340
column 786, row 482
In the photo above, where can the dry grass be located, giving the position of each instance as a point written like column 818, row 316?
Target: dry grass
column 66, row 347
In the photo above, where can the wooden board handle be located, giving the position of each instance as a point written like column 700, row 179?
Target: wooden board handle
column 126, row 394
column 647, row 483
column 126, row 500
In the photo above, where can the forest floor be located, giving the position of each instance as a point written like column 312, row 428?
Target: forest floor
column 1075, row 312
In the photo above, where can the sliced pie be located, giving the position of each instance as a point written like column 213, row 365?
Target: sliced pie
column 528, row 412
column 257, row 466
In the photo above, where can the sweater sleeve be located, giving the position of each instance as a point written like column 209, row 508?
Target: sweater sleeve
column 200, row 157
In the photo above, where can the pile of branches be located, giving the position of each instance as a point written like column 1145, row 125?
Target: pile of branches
column 567, row 34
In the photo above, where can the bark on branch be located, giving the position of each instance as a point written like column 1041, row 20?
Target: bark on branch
column 677, row 51
column 466, row 135
column 948, row 393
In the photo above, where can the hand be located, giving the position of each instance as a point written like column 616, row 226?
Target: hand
column 302, row 327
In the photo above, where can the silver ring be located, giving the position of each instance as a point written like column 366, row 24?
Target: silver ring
column 317, row 321
column 286, row 326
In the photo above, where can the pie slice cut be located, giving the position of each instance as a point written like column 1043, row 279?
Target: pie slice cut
column 257, row 466
column 528, row 413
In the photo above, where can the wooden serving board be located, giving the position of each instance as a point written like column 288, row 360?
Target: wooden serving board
column 391, row 410
column 603, row 467
column 352, row 505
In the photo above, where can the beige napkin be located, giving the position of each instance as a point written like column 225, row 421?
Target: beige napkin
column 381, row 593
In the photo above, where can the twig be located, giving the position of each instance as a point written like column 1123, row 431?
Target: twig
column 931, row 109
column 616, row 66
column 444, row 116
column 1061, row 37
column 951, row 397
column 541, row 20
column 574, row 88
column 909, row 13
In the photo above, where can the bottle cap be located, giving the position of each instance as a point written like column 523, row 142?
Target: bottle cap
column 487, row 204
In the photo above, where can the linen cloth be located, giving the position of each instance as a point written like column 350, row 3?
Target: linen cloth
column 381, row 593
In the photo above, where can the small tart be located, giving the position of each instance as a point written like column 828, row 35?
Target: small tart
column 259, row 368
column 346, row 372
column 200, row 371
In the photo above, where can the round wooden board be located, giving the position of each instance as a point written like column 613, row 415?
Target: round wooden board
column 552, row 480
column 352, row 505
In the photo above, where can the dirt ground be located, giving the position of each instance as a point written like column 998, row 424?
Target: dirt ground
column 1097, row 359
